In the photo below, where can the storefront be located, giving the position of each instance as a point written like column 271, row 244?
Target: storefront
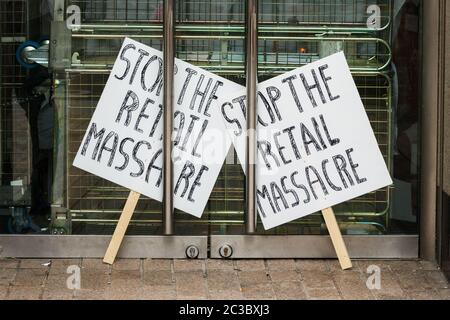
column 56, row 56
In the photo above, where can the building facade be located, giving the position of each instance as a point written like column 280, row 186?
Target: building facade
column 56, row 56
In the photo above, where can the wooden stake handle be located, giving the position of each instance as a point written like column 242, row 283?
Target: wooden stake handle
column 336, row 238
column 121, row 227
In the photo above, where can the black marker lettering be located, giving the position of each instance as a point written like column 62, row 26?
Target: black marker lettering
column 142, row 114
column 190, row 73
column 186, row 173
column 309, row 88
column 124, row 154
column 300, row 186
column 237, row 132
column 212, row 97
column 139, row 161
column 129, row 107
column 196, row 182
column 111, row 149
column 325, row 173
column 122, row 57
column 342, row 168
column 267, row 151
column 293, row 91
column 264, row 194
column 280, row 148
column 291, row 191
column 308, row 138
column 138, row 63
column 325, row 80
column 318, row 179
column 97, row 135
column 354, row 166
column 152, row 165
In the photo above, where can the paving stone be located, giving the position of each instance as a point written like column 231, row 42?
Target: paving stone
column 3, row 291
column 219, row 264
column 61, row 265
column 157, row 264
column 289, row 290
column 390, row 286
column 34, row 263
column 258, row 291
column 87, row 294
column 286, row 275
column 444, row 293
column 335, row 266
column 428, row 265
column 436, row 279
column 317, row 279
column 388, row 297
column 251, row 265
column 9, row 263
column 57, row 294
column 225, row 295
column 95, row 264
column 405, row 266
column 352, row 287
column 30, row 277
column 188, row 265
column 190, row 285
column 323, row 294
column 282, row 265
column 126, row 282
column 413, row 280
column 423, row 294
column 122, row 293
column 222, row 280
column 7, row 276
column 158, row 278
column 24, row 293
column 252, row 277
column 58, row 282
column 363, row 265
column 157, row 292
column 312, row 265
column 91, row 280
column 127, row 264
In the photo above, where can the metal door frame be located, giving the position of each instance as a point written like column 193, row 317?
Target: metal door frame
column 258, row 246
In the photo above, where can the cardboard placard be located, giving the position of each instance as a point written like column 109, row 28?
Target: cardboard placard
column 316, row 146
column 123, row 142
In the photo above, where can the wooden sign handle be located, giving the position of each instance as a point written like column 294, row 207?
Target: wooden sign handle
column 336, row 238
column 121, row 227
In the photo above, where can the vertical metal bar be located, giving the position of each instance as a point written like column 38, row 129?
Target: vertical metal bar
column 431, row 66
column 169, row 54
column 252, row 72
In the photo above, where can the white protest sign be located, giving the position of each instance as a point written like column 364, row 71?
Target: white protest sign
column 123, row 142
column 316, row 147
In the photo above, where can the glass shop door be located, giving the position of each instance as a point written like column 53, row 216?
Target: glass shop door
column 49, row 91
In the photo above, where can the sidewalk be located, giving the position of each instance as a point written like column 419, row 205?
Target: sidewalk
column 218, row 279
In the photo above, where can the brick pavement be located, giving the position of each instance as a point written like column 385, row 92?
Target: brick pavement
column 219, row 279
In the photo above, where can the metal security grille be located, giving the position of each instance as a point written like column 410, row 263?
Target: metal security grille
column 324, row 13
column 15, row 142
column 211, row 34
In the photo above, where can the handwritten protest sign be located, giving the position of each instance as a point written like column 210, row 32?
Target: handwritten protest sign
column 123, row 142
column 316, row 147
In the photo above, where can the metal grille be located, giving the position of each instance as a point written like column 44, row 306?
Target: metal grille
column 322, row 27
column 341, row 13
column 15, row 142
column 120, row 10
